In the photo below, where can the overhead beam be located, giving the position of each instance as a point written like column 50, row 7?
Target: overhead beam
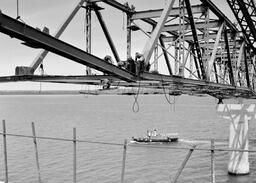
column 114, row 4
column 188, row 37
column 199, row 25
column 36, row 38
column 157, row 12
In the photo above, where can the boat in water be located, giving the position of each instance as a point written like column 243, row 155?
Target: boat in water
column 154, row 136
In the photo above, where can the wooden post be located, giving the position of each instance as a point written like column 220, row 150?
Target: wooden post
column 212, row 162
column 5, row 152
column 74, row 155
column 36, row 151
column 124, row 159
column 183, row 164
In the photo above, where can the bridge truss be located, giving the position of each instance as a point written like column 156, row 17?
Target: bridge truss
column 203, row 51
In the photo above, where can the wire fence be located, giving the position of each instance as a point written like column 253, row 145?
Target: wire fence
column 125, row 146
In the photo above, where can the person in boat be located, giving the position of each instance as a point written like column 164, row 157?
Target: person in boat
column 154, row 133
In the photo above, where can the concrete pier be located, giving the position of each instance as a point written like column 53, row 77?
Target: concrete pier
column 239, row 115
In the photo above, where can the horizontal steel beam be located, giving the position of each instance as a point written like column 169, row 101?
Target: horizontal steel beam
column 157, row 13
column 191, row 82
column 199, row 25
column 148, row 80
column 188, row 37
column 114, row 4
column 36, row 38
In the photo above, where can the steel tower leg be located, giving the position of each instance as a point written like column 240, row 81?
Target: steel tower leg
column 238, row 115
column 88, row 32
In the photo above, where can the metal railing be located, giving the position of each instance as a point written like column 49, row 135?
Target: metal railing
column 124, row 146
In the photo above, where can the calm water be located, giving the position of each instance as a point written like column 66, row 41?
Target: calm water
column 111, row 119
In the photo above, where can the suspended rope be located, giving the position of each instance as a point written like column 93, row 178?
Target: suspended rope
column 136, row 106
column 168, row 99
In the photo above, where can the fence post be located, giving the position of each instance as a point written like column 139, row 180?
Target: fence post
column 36, row 151
column 212, row 161
column 5, row 152
column 124, row 159
column 183, row 164
column 74, row 155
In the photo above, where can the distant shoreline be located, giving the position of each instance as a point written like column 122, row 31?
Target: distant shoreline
column 35, row 92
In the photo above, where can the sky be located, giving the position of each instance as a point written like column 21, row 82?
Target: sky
column 48, row 13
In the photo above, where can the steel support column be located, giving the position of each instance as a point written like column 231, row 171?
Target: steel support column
column 229, row 64
column 238, row 63
column 246, row 68
column 88, row 32
column 129, row 35
column 195, row 61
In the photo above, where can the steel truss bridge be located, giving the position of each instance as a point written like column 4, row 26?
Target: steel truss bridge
column 203, row 51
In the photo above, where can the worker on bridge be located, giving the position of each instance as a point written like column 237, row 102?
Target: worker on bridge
column 140, row 63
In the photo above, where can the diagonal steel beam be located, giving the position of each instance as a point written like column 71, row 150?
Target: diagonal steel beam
column 213, row 55
column 229, row 64
column 36, row 38
column 165, row 54
column 106, row 32
column 196, row 43
column 38, row 60
column 149, row 47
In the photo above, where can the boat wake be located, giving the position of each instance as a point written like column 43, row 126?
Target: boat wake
column 200, row 142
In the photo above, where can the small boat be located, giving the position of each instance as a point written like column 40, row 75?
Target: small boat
column 154, row 136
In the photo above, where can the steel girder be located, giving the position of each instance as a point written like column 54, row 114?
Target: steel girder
column 157, row 13
column 36, row 38
column 147, row 80
column 244, row 11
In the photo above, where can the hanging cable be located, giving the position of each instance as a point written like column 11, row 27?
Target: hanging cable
column 136, row 106
column 165, row 95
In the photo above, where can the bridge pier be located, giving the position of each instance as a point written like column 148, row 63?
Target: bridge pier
column 239, row 115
